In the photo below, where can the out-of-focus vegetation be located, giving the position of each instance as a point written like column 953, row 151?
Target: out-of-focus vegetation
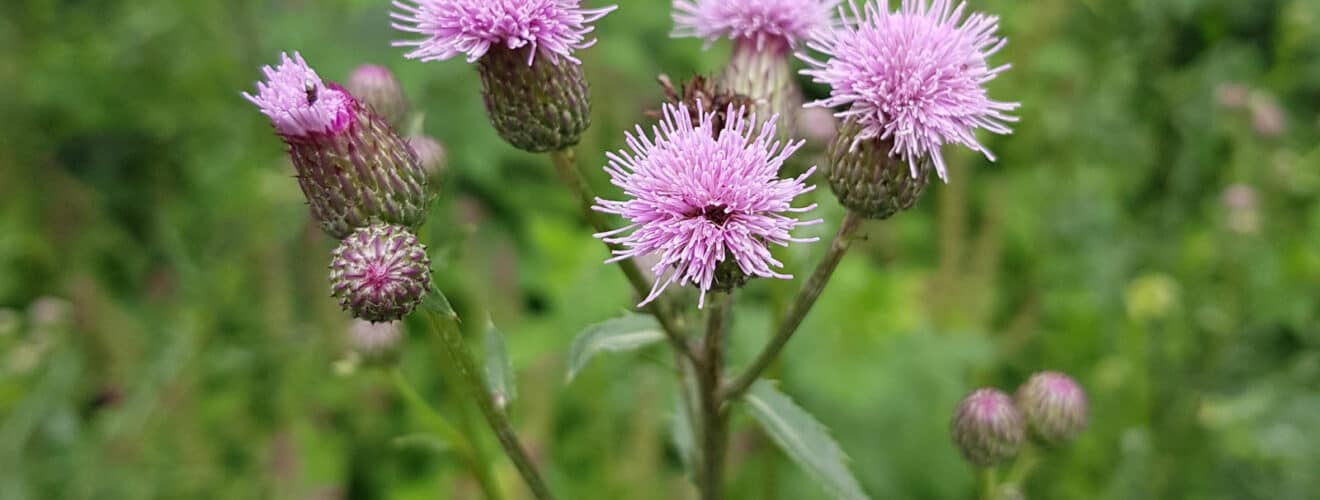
column 1152, row 228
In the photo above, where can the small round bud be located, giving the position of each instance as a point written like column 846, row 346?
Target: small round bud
column 48, row 313
column 379, row 89
column 536, row 104
column 868, row 179
column 1267, row 117
column 380, row 273
column 375, row 342
column 1054, row 407
column 430, row 153
column 987, row 429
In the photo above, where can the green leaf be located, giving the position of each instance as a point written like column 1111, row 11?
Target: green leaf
column 499, row 371
column 421, row 441
column 630, row 332
column 803, row 439
column 683, row 437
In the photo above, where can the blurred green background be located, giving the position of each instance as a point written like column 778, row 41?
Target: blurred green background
column 1152, row 228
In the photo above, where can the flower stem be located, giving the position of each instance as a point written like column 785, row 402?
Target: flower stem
column 451, row 435
column 801, row 306
column 444, row 321
column 1023, row 466
column 714, row 420
column 565, row 161
column 986, row 476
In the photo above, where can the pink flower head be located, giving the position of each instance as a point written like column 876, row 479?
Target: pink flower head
column 298, row 102
column 698, row 196
column 914, row 77
column 759, row 21
column 554, row 28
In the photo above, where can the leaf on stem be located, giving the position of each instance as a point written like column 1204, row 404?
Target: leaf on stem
column 682, row 435
column 500, row 381
column 803, row 439
column 627, row 333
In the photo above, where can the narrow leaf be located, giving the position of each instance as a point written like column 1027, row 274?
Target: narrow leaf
column 499, row 371
column 803, row 439
column 684, row 439
column 630, row 332
column 420, row 441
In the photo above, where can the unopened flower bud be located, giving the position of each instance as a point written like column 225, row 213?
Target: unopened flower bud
column 380, row 273
column 352, row 166
column 760, row 70
column 430, row 153
column 702, row 96
column 868, row 178
column 987, row 428
column 1267, row 117
column 536, row 104
column 377, row 87
column 1054, row 407
column 375, row 342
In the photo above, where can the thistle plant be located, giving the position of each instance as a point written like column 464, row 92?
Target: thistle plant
column 367, row 186
column 990, row 428
column 701, row 194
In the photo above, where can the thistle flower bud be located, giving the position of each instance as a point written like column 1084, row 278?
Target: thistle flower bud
column 536, row 104
column 868, row 179
column 761, row 72
column 380, row 273
column 987, row 429
column 377, row 87
column 375, row 342
column 352, row 166
column 1054, row 407
column 700, row 95
column 430, row 154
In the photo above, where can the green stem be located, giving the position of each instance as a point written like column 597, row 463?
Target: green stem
column 451, row 435
column 1026, row 462
column 806, row 298
column 714, row 421
column 565, row 161
column 444, row 321
column 987, row 477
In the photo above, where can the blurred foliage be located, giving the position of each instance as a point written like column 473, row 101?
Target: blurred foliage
column 1152, row 228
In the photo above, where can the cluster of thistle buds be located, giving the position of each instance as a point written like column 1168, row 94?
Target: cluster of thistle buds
column 364, row 182
column 990, row 427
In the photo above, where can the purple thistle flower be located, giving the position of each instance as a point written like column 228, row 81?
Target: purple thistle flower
column 553, row 28
column 699, row 196
column 298, row 103
column 352, row 165
column 914, row 76
column 758, row 21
